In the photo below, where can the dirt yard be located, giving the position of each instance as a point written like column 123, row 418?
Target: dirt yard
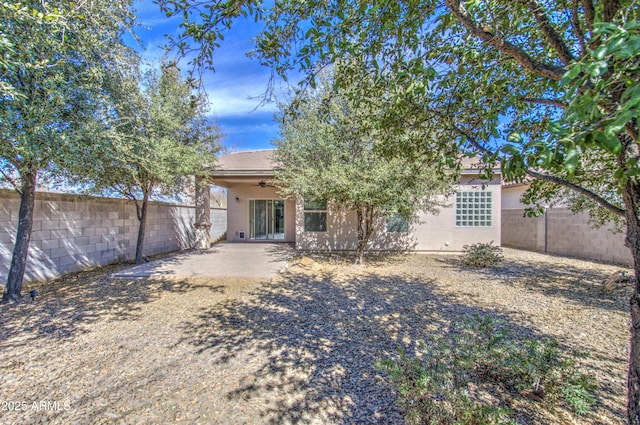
column 297, row 349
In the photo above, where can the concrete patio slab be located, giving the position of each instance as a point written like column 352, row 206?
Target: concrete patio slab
column 235, row 260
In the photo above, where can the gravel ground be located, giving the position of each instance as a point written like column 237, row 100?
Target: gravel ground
column 297, row 349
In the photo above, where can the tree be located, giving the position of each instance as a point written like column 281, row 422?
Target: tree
column 163, row 137
column 549, row 87
column 329, row 150
column 55, row 56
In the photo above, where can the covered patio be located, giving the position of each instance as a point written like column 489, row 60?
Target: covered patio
column 256, row 210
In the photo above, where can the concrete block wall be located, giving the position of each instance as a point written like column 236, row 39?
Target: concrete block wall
column 72, row 232
column 570, row 234
column 218, row 223
column 566, row 233
column 522, row 232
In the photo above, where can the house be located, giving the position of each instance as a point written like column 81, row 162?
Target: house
column 257, row 212
column 512, row 195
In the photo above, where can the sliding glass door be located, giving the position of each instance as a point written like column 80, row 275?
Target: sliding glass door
column 266, row 219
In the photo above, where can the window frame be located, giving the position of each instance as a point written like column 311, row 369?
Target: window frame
column 474, row 208
column 391, row 217
column 316, row 211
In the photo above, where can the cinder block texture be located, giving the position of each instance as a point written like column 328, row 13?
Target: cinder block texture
column 72, row 232
column 564, row 233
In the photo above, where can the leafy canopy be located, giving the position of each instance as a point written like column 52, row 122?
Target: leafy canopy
column 480, row 70
column 329, row 148
column 163, row 136
column 55, row 59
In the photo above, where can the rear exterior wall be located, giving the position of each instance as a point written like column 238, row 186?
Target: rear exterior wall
column 431, row 232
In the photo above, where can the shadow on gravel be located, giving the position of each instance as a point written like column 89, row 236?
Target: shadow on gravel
column 322, row 337
column 348, row 258
column 68, row 305
column 578, row 285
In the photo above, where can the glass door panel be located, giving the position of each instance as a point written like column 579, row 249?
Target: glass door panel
column 278, row 219
column 266, row 219
column 258, row 219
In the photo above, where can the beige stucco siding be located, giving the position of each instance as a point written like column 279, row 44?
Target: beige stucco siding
column 341, row 234
column 512, row 197
column 440, row 233
column 431, row 232
column 238, row 211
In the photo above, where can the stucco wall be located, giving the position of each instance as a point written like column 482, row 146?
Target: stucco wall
column 71, row 232
column 511, row 196
column 566, row 234
column 238, row 210
column 431, row 232
column 440, row 233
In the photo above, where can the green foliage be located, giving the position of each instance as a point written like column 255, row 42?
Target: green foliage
column 329, row 149
column 161, row 140
column 590, row 144
column 53, row 64
column 594, row 118
column 163, row 137
column 482, row 255
column 548, row 88
column 55, row 58
column 441, row 384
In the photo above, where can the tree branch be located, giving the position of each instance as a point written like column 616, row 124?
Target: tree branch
column 586, row 192
column 138, row 209
column 577, row 27
column 589, row 14
column 549, row 32
column 543, row 101
column 611, row 8
column 632, row 130
column 472, row 140
column 545, row 70
column 553, row 179
column 16, row 187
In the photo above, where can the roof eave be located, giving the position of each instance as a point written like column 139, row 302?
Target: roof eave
column 478, row 171
column 248, row 173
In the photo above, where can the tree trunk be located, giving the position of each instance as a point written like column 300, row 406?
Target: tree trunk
column 633, row 377
column 12, row 291
column 365, row 229
column 203, row 214
column 142, row 217
column 631, row 199
column 360, row 249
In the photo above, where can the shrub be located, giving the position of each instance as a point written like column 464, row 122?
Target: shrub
column 437, row 386
column 481, row 255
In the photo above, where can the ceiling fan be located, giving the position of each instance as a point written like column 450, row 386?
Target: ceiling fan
column 264, row 184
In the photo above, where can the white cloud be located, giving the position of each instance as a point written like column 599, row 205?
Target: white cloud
column 235, row 100
column 236, row 86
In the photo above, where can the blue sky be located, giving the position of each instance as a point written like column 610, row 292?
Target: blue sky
column 234, row 86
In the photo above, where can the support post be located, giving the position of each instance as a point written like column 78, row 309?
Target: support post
column 203, row 214
column 546, row 229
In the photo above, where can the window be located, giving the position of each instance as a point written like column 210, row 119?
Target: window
column 315, row 216
column 473, row 209
column 397, row 224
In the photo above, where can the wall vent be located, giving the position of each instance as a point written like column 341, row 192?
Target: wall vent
column 241, row 235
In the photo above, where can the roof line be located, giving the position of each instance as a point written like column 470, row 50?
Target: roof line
column 248, row 151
